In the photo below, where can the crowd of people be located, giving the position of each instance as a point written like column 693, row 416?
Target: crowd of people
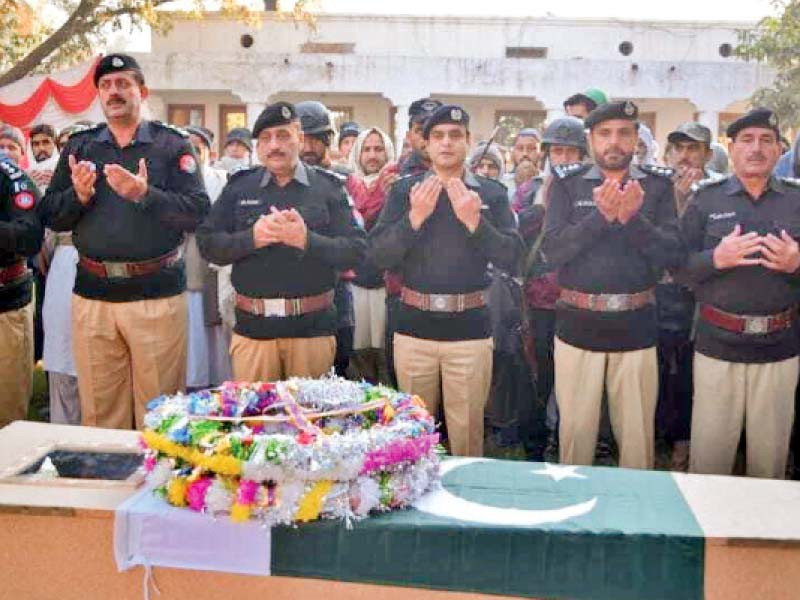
column 575, row 290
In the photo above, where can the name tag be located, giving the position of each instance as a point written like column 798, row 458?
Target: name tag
column 584, row 204
column 249, row 202
column 721, row 216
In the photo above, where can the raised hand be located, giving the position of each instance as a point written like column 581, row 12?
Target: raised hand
column 686, row 179
column 780, row 253
column 607, row 199
column 466, row 203
column 84, row 176
column 295, row 232
column 423, row 198
column 734, row 248
column 631, row 200
column 124, row 183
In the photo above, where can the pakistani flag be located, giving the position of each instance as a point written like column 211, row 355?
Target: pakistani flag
column 518, row 529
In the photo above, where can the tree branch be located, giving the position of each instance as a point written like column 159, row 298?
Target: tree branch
column 73, row 25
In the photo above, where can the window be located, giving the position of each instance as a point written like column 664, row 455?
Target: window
column 231, row 116
column 182, row 115
column 511, row 121
column 340, row 114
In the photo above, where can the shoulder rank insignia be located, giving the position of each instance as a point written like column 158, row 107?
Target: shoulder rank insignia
column 337, row 177
column 791, row 181
column 707, row 182
column 563, row 171
column 657, row 170
column 11, row 170
column 181, row 132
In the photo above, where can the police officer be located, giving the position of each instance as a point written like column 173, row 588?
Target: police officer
column 347, row 137
column 744, row 263
column 287, row 227
column 315, row 119
column 443, row 332
column 563, row 143
column 610, row 230
column 687, row 153
column 21, row 235
column 128, row 189
column 418, row 161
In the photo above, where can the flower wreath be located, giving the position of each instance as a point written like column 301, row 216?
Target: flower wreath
column 290, row 451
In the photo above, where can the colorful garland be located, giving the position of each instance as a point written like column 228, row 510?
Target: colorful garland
column 291, row 451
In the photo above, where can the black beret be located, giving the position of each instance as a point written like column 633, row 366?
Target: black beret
column 116, row 62
column 422, row 109
column 613, row 110
column 241, row 135
column 758, row 117
column 447, row 113
column 279, row 113
column 205, row 134
column 349, row 129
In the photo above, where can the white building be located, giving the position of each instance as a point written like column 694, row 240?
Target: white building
column 221, row 73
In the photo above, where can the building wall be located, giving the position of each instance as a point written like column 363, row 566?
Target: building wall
column 379, row 64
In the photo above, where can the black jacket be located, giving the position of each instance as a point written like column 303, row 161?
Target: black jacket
column 444, row 257
column 111, row 228
column 335, row 243
column 21, row 231
column 594, row 256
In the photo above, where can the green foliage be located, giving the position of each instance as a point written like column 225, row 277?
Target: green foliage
column 775, row 41
column 87, row 23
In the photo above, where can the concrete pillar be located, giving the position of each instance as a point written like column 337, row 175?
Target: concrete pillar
column 400, row 126
column 710, row 118
column 253, row 110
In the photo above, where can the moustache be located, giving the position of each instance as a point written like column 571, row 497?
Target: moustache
column 756, row 156
column 114, row 100
column 276, row 154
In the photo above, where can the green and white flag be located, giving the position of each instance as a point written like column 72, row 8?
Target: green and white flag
column 518, row 529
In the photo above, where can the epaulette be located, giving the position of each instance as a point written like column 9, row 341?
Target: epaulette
column 181, row 132
column 564, row 171
column 707, row 182
column 10, row 169
column 333, row 175
column 791, row 181
column 657, row 170
column 242, row 171
column 491, row 181
column 84, row 129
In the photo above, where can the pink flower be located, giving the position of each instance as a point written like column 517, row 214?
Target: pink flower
column 196, row 493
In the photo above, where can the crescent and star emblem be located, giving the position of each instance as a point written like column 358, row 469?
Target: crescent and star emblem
column 443, row 503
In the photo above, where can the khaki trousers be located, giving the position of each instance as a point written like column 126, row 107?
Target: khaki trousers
column 273, row 360
column 16, row 363
column 126, row 354
column 727, row 396
column 631, row 381
column 464, row 371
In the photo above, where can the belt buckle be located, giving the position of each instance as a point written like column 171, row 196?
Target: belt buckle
column 274, row 307
column 614, row 302
column 438, row 302
column 756, row 325
column 116, row 269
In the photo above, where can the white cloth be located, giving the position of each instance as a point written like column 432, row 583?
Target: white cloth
column 151, row 533
column 208, row 359
column 369, row 306
column 57, row 351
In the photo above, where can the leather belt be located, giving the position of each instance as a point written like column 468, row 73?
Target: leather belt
column 749, row 324
column 284, row 307
column 111, row 269
column 607, row 302
column 453, row 303
column 12, row 273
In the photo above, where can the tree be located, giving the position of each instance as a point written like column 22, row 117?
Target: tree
column 88, row 22
column 775, row 40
